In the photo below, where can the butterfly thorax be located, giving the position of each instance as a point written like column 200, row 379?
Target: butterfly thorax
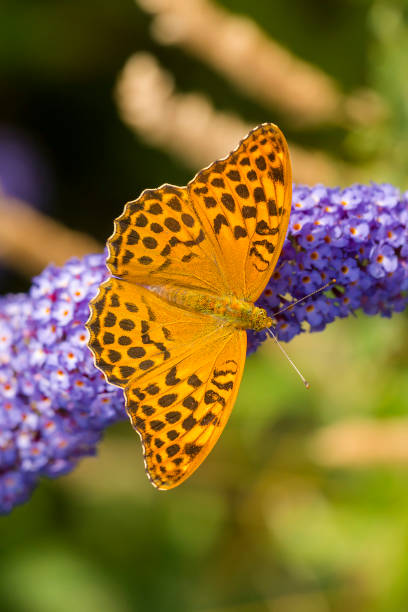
column 229, row 308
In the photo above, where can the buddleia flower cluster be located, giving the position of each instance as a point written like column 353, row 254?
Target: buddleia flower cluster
column 357, row 237
column 55, row 404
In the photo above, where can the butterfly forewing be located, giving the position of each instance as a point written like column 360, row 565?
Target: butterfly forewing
column 181, row 410
column 244, row 204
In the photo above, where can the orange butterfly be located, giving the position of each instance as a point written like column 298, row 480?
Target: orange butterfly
column 169, row 325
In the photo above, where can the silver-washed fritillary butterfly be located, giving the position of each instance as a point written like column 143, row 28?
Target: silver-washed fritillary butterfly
column 186, row 265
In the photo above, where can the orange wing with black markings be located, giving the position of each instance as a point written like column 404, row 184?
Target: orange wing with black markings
column 180, row 367
column 159, row 239
column 223, row 232
column 180, row 411
column 181, row 371
column 243, row 203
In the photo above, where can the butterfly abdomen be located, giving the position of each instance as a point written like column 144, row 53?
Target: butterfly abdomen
column 228, row 308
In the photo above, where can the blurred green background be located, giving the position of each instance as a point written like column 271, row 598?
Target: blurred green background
column 303, row 505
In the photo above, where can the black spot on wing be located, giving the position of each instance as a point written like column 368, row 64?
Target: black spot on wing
column 228, row 201
column 260, row 163
column 210, row 202
column 172, row 450
column 259, row 195
column 194, row 381
column 174, row 203
column 173, row 416
column 264, row 229
column 189, row 422
column 218, row 182
column 141, row 220
column 249, row 212
column 242, row 191
column 219, row 221
column 272, row 210
column 234, row 175
column 192, row 449
column 171, row 377
column 155, row 209
column 277, row 174
column 239, row 232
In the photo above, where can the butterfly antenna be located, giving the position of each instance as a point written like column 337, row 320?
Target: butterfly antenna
column 303, row 379
column 305, row 297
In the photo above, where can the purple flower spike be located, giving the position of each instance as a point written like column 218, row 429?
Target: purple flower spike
column 54, row 403
column 358, row 236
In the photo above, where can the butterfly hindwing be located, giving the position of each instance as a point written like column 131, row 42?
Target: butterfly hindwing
column 133, row 331
column 181, row 411
column 159, row 239
column 244, row 202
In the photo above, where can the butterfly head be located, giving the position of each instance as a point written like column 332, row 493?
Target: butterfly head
column 260, row 319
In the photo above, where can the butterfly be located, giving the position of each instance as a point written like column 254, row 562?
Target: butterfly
column 169, row 324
